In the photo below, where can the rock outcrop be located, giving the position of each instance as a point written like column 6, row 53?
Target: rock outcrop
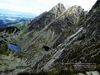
column 58, row 9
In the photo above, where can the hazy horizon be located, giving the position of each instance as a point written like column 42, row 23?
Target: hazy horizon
column 39, row 6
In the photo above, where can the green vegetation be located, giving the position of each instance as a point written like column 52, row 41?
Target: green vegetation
column 10, row 62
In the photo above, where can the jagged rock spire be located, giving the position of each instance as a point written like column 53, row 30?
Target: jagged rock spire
column 58, row 9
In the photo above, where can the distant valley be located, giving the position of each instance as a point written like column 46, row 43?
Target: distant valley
column 8, row 17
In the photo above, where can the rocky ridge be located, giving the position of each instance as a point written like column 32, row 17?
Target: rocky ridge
column 52, row 34
column 82, row 46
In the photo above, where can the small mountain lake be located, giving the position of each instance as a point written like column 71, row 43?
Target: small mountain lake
column 14, row 47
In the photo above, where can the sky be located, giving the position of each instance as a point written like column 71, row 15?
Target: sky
column 39, row 6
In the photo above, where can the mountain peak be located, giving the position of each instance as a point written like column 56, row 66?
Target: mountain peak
column 58, row 9
column 59, row 5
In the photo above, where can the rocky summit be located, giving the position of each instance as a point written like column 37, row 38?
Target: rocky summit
column 45, row 18
column 61, row 42
column 58, row 9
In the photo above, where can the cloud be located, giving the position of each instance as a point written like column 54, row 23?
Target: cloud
column 39, row 6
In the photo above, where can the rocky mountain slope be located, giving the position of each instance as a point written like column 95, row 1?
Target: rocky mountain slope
column 62, row 39
column 45, row 18
column 51, row 34
column 81, row 47
column 66, row 22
